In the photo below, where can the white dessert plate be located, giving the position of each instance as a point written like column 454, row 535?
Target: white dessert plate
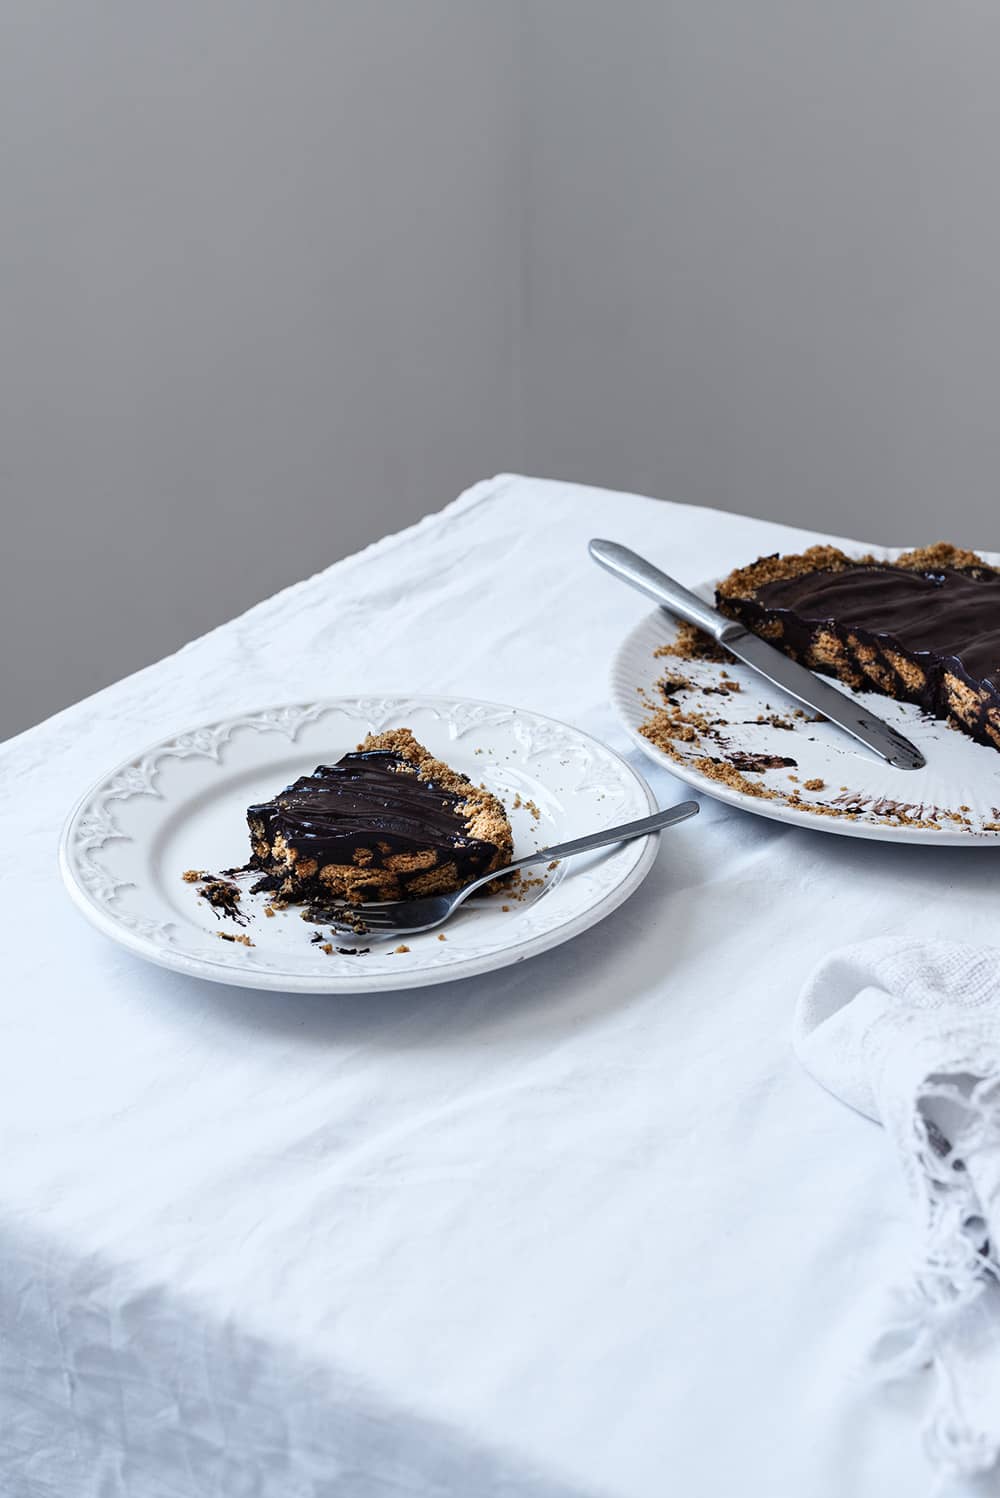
column 182, row 805
column 954, row 800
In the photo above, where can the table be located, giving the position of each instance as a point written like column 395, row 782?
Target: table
column 579, row 1228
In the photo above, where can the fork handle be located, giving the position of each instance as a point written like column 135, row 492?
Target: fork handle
column 620, row 834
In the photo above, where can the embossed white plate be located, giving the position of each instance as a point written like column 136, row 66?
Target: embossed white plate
column 182, row 805
column 954, row 799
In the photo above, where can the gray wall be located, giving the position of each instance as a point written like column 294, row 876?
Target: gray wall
column 277, row 278
column 259, row 279
column 763, row 257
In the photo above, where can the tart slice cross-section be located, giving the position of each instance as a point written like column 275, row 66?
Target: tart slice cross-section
column 386, row 822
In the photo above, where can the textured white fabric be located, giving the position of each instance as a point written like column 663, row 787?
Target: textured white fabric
column 582, row 1227
column 909, row 1033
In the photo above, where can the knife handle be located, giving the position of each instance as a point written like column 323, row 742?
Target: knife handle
column 668, row 593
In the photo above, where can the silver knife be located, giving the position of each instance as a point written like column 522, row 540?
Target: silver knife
column 761, row 657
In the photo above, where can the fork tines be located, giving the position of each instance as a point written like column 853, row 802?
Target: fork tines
column 354, row 920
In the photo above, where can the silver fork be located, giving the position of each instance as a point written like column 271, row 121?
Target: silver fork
column 409, row 917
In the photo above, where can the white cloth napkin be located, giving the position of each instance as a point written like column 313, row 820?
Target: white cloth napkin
column 909, row 1034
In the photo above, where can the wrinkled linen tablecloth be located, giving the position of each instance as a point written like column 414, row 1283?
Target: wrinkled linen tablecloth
column 581, row 1227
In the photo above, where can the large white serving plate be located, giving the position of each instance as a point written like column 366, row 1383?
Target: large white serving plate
column 960, row 777
column 182, row 805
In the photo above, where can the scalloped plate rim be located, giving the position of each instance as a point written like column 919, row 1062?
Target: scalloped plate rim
column 219, row 970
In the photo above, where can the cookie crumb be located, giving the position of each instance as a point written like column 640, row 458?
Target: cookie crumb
column 692, row 643
column 224, row 898
column 815, row 784
column 401, row 948
column 191, row 876
column 244, row 941
column 441, row 936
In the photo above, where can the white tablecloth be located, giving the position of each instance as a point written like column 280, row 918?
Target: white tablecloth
column 579, row 1228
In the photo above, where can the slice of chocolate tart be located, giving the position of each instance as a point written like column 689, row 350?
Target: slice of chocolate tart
column 386, row 822
column 924, row 628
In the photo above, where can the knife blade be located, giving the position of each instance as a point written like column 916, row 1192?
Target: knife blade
column 788, row 675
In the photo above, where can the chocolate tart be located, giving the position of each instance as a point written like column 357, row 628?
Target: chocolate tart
column 386, row 822
column 924, row 628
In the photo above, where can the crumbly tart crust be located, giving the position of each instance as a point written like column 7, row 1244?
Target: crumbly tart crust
column 939, row 557
column 309, row 848
column 940, row 680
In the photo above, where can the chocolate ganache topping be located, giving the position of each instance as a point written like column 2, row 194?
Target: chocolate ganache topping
column 385, row 822
column 372, row 799
column 948, row 614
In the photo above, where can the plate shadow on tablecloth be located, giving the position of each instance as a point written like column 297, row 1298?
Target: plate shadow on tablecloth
column 566, row 988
